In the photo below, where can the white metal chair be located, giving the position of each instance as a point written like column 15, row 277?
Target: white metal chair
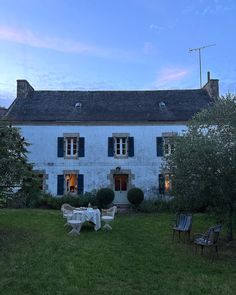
column 108, row 216
column 67, row 211
column 76, row 222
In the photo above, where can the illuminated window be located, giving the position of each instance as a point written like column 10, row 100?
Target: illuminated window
column 164, row 184
column 71, row 183
column 167, row 183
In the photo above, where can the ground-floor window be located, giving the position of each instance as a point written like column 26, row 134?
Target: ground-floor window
column 164, row 184
column 41, row 179
column 71, row 183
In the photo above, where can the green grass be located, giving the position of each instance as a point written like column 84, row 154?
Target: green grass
column 37, row 256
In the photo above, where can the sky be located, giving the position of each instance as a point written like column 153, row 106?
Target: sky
column 116, row 44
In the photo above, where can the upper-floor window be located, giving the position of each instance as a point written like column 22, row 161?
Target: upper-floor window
column 165, row 147
column 120, row 145
column 71, row 146
column 168, row 147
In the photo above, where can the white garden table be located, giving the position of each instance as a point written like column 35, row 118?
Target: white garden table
column 90, row 215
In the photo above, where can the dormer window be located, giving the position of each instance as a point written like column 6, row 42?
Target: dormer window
column 78, row 105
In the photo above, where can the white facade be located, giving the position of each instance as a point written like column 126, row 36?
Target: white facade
column 96, row 165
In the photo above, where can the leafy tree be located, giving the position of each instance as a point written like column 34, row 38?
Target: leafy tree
column 203, row 164
column 15, row 171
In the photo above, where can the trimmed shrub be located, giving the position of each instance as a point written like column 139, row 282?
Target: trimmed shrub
column 104, row 197
column 135, row 196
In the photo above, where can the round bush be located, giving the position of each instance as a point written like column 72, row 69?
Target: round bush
column 135, row 196
column 104, row 197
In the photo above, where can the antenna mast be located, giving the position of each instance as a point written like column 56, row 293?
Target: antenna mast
column 200, row 58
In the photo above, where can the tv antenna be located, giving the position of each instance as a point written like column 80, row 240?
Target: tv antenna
column 200, row 58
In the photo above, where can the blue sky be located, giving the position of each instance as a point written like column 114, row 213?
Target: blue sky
column 115, row 44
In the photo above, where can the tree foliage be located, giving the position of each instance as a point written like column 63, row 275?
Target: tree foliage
column 15, row 171
column 203, row 165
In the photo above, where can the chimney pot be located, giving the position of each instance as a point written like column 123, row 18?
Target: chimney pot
column 208, row 76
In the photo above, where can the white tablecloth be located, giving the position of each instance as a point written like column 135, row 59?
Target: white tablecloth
column 92, row 215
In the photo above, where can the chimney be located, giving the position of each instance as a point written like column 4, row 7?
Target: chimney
column 23, row 88
column 212, row 86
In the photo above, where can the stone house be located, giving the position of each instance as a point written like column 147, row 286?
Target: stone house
column 85, row 140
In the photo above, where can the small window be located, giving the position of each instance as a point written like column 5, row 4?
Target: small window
column 121, row 146
column 168, row 147
column 71, row 146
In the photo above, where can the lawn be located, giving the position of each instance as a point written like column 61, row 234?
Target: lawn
column 138, row 256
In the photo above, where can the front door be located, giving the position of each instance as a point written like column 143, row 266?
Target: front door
column 120, row 188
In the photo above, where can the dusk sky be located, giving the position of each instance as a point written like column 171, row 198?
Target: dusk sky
column 115, row 44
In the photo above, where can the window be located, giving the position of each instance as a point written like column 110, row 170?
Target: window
column 71, row 146
column 71, row 183
column 168, row 147
column 41, row 177
column 167, row 183
column 164, row 184
column 121, row 144
column 164, row 145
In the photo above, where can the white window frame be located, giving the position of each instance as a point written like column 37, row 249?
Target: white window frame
column 167, row 146
column 121, row 145
column 71, row 140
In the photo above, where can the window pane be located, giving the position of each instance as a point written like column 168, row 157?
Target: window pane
column 167, row 183
column 117, row 183
column 166, row 147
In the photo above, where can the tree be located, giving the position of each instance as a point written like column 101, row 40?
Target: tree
column 15, row 171
column 203, row 164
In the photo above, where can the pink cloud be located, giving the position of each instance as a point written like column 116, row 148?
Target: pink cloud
column 29, row 38
column 170, row 75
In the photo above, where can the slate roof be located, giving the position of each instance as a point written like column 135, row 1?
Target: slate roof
column 109, row 106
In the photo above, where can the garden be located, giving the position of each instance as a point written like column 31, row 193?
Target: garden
column 137, row 257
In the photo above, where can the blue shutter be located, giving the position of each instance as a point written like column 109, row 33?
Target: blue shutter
column 60, row 147
column 80, row 184
column 159, row 146
column 110, row 147
column 161, row 184
column 81, row 147
column 130, row 146
column 60, row 185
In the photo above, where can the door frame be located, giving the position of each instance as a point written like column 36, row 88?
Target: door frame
column 117, row 171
